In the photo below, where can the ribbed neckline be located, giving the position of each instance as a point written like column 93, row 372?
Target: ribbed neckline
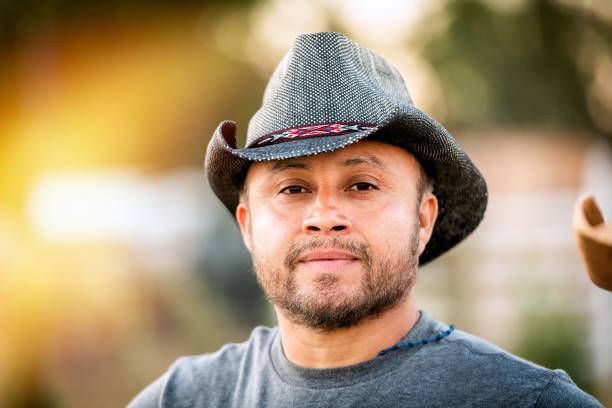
column 321, row 378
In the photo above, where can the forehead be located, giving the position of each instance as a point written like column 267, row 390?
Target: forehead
column 369, row 153
column 389, row 161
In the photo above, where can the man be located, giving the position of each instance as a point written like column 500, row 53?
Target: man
column 343, row 191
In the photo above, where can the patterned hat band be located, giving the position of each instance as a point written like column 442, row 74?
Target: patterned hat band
column 305, row 132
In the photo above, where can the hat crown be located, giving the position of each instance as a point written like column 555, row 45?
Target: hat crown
column 327, row 78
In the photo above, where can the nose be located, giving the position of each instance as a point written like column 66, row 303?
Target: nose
column 325, row 218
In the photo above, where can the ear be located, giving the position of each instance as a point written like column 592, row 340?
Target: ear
column 428, row 213
column 243, row 217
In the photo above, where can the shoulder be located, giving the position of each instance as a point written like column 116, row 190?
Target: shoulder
column 190, row 378
column 561, row 391
column 486, row 364
column 489, row 355
column 227, row 357
column 509, row 377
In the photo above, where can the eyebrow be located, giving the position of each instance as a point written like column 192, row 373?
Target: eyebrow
column 353, row 161
column 358, row 160
column 285, row 165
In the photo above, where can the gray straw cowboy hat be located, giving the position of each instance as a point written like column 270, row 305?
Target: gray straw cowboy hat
column 329, row 92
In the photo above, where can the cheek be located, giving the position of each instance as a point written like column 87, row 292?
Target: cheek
column 391, row 226
column 273, row 231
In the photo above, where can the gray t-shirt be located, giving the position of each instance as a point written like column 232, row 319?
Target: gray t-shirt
column 460, row 370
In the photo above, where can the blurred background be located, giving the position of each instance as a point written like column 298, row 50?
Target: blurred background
column 116, row 258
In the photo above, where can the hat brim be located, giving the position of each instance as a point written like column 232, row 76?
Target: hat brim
column 459, row 187
column 594, row 240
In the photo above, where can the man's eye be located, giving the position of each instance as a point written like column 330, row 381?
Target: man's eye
column 363, row 186
column 293, row 190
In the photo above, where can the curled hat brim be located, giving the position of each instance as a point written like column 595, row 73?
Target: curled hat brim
column 458, row 185
column 594, row 240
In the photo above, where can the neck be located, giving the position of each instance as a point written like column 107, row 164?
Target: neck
column 313, row 348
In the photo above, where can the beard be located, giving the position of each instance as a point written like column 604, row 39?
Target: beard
column 383, row 284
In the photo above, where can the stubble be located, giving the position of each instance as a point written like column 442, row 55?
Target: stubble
column 386, row 281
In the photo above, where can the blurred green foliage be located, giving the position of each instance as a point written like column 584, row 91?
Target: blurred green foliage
column 515, row 68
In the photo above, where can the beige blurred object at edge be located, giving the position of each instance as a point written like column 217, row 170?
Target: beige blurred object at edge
column 594, row 238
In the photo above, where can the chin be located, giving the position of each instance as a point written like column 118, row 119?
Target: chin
column 329, row 295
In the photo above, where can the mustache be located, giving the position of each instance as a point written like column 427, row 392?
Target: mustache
column 354, row 247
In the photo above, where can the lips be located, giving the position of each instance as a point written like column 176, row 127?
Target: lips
column 328, row 255
column 328, row 261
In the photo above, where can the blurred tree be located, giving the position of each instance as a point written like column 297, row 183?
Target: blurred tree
column 519, row 67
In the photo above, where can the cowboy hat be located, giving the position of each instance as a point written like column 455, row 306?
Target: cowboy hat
column 594, row 239
column 328, row 92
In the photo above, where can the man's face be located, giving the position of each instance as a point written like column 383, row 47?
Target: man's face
column 336, row 237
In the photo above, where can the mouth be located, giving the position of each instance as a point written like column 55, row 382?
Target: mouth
column 328, row 260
